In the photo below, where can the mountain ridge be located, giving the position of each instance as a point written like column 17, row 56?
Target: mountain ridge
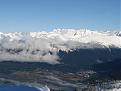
column 82, row 35
column 44, row 46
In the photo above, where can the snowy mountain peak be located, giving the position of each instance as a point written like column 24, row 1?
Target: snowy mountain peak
column 64, row 35
column 81, row 36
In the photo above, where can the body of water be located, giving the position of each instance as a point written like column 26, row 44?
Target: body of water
column 17, row 88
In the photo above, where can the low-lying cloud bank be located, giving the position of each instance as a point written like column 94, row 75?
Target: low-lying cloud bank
column 44, row 46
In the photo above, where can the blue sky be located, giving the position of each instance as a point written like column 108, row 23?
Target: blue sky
column 46, row 15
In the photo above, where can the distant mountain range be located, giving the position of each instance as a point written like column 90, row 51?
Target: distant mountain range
column 45, row 46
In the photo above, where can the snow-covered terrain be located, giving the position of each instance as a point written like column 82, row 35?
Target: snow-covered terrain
column 44, row 46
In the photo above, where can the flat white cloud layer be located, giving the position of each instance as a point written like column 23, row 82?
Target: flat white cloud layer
column 44, row 46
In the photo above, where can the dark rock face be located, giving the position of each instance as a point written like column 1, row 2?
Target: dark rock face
column 87, row 58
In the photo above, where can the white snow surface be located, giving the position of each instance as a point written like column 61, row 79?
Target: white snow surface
column 36, row 46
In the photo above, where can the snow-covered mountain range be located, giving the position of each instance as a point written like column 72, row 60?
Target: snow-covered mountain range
column 44, row 46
